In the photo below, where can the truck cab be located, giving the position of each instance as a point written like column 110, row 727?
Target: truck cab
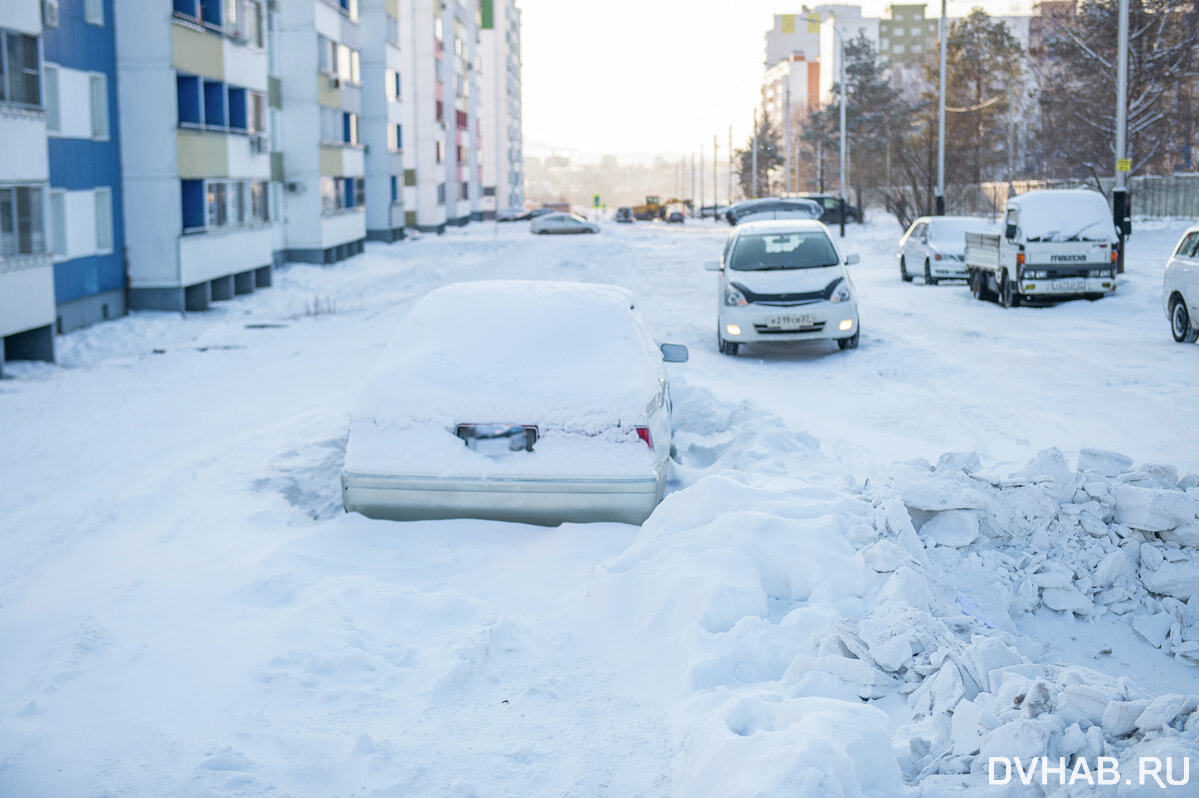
column 1054, row 245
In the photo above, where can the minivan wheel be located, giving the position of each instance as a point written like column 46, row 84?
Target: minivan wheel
column 726, row 347
column 903, row 270
column 1180, row 323
column 852, row 341
column 928, row 274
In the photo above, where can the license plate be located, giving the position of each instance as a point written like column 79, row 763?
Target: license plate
column 1069, row 285
column 789, row 322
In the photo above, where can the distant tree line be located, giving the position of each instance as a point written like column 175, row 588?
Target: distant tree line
column 1012, row 114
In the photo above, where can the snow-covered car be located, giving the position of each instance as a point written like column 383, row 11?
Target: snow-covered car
column 540, row 402
column 772, row 208
column 935, row 247
column 511, row 215
column 784, row 281
column 562, row 224
column 1180, row 288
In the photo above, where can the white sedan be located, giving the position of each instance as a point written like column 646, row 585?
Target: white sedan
column 563, row 224
column 1180, row 289
column 784, row 281
column 935, row 247
column 540, row 402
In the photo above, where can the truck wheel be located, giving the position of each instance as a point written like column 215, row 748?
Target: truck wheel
column 928, row 274
column 1180, row 322
column 903, row 270
column 978, row 285
column 1009, row 296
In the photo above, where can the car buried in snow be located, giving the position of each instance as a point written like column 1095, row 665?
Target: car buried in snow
column 562, row 224
column 753, row 210
column 539, row 402
column 935, row 247
column 784, row 281
column 1180, row 288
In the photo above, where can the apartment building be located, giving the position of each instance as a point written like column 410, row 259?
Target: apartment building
column 793, row 84
column 27, row 311
column 383, row 69
column 812, row 37
column 191, row 90
column 499, row 107
column 86, row 230
column 317, row 59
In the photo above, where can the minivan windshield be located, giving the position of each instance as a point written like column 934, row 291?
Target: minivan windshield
column 800, row 250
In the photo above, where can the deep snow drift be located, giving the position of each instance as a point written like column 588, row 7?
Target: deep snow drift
column 813, row 610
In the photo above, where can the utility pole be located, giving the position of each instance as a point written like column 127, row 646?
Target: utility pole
column 844, row 155
column 730, row 164
column 941, row 117
column 715, row 184
column 754, row 158
column 1121, row 212
column 701, row 181
column 787, row 135
column 691, row 196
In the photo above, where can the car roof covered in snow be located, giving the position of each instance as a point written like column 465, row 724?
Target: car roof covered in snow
column 516, row 351
column 779, row 226
column 1060, row 214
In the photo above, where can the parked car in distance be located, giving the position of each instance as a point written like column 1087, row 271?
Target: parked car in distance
column 1180, row 288
column 711, row 211
column 624, row 215
column 539, row 402
column 935, row 247
column 675, row 217
column 784, row 281
column 533, row 214
column 830, row 209
column 562, row 224
column 772, row 208
column 511, row 215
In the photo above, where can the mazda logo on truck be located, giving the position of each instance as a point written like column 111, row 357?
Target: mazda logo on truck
column 1067, row 258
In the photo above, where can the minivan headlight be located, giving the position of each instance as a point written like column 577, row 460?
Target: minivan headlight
column 841, row 293
column 734, row 296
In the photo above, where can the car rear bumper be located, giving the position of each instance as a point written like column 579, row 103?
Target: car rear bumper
column 948, row 269
column 528, row 500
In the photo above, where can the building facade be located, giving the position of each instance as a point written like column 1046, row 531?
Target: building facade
column 500, row 107
column 27, row 309
column 383, row 69
column 318, row 61
column 86, row 230
column 192, row 87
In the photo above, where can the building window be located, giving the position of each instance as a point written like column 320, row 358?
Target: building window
column 205, row 12
column 187, row 97
column 349, row 128
column 98, row 90
column 350, row 7
column 218, row 210
column 103, row 204
column 441, row 194
column 22, row 230
column 193, row 204
column 464, row 190
column 58, row 222
column 395, row 189
column 440, row 151
column 440, row 108
column 395, row 138
column 214, row 103
column 259, row 202
column 355, row 68
column 93, row 11
column 393, row 84
column 461, row 154
column 20, row 70
column 53, row 118
column 342, row 193
column 237, row 109
column 257, row 112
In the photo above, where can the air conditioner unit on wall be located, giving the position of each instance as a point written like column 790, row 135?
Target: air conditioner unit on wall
column 50, row 13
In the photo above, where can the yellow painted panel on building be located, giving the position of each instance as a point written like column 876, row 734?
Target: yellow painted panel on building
column 326, row 95
column 202, row 155
column 814, row 23
column 788, row 23
column 197, row 52
column 330, row 161
column 393, row 8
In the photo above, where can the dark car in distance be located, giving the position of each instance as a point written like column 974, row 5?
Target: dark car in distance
column 830, row 207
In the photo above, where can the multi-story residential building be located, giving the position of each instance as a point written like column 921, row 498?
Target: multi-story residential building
column 383, row 119
column 793, row 84
column 192, row 93
column 499, row 107
column 793, row 35
column 441, row 92
column 813, row 36
column 318, row 61
column 86, row 234
column 27, row 310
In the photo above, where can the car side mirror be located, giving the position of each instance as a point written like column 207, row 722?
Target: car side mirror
column 852, row 259
column 712, row 265
column 1009, row 232
column 675, row 353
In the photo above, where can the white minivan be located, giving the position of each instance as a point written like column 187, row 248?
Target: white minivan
column 784, row 281
column 1180, row 289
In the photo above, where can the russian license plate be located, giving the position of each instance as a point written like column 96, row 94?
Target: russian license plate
column 789, row 322
column 1069, row 285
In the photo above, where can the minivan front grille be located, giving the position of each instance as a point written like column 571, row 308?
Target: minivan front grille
column 811, row 328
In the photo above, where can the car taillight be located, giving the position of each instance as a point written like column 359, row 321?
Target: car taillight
column 643, row 434
column 1115, row 255
column 937, row 256
column 1019, row 258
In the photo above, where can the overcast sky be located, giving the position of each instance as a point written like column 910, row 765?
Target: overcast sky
column 641, row 77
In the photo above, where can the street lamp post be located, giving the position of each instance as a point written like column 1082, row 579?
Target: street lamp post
column 940, row 210
column 1120, row 209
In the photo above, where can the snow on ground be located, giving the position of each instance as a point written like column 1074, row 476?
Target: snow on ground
column 826, row 604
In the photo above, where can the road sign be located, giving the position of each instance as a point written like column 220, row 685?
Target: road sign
column 595, row 200
column 1124, row 164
